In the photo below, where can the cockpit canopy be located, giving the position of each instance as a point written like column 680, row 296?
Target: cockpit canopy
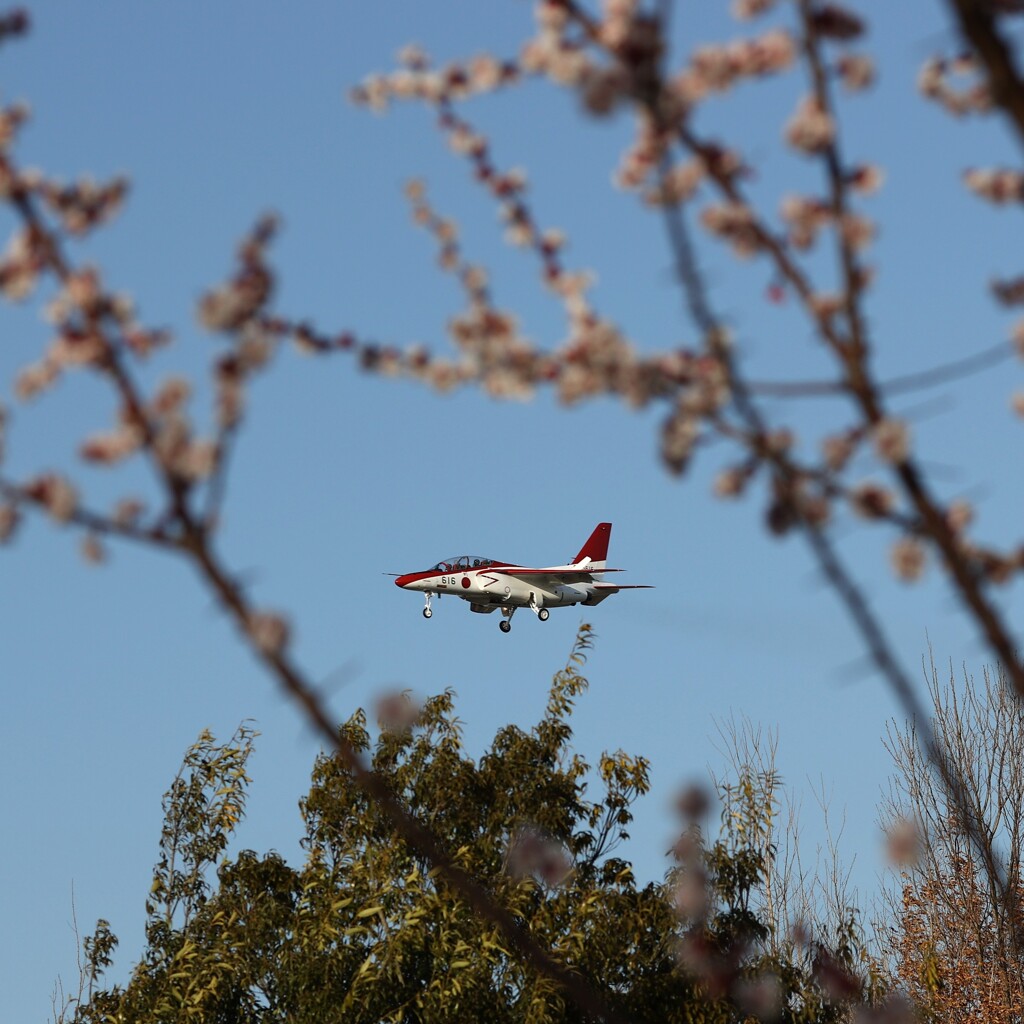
column 462, row 562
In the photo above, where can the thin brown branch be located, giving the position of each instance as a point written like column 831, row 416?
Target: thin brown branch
column 855, row 353
column 843, row 584
column 968, row 582
column 94, row 522
column 192, row 538
column 112, row 362
column 980, row 27
column 727, row 183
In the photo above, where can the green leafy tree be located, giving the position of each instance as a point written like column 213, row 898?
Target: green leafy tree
column 366, row 931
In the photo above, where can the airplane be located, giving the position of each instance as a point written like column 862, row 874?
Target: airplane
column 488, row 584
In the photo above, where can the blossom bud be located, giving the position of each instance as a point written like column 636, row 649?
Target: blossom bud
column 903, row 843
column 56, row 494
column 908, row 558
column 269, row 632
column 811, row 129
column 856, row 71
column 93, row 550
column 9, row 519
column 892, row 440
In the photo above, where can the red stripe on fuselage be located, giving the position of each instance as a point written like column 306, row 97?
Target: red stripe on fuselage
column 416, row 577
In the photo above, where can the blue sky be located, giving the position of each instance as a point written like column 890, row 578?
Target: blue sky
column 218, row 112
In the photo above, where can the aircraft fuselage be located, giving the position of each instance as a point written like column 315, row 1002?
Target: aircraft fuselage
column 487, row 584
column 494, row 588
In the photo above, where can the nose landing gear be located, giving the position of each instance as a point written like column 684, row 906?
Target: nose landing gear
column 426, row 607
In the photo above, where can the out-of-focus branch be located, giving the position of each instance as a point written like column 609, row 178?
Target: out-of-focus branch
column 967, row 581
column 855, row 353
column 831, row 566
column 828, row 560
column 111, row 359
column 979, row 26
column 186, row 531
column 95, row 522
column 725, row 179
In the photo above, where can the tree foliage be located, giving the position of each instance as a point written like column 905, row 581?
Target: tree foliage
column 953, row 942
column 365, row 931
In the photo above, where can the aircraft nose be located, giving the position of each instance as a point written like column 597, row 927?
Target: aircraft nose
column 404, row 581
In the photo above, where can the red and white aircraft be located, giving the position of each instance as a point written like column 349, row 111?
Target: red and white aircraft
column 488, row 584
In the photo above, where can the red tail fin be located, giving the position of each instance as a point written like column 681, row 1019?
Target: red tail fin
column 596, row 548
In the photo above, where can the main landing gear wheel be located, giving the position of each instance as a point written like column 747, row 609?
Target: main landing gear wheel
column 427, row 613
column 543, row 614
column 504, row 625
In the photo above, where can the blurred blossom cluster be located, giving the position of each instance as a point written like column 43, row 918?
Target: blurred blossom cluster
column 616, row 58
column 532, row 853
column 956, row 85
column 397, row 711
column 903, row 843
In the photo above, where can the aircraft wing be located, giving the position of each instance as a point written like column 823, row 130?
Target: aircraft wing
column 566, row 573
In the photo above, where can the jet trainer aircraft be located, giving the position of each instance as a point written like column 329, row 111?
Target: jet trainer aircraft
column 488, row 584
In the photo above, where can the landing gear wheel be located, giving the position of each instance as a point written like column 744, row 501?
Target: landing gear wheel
column 504, row 625
column 543, row 614
column 427, row 613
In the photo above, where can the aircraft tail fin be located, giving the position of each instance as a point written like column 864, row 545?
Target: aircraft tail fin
column 595, row 551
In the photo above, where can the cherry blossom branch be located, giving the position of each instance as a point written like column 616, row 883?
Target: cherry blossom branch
column 854, row 353
column 979, row 26
column 238, row 310
column 968, row 582
column 817, row 134
column 787, row 479
column 48, row 493
column 661, row 378
column 860, row 384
